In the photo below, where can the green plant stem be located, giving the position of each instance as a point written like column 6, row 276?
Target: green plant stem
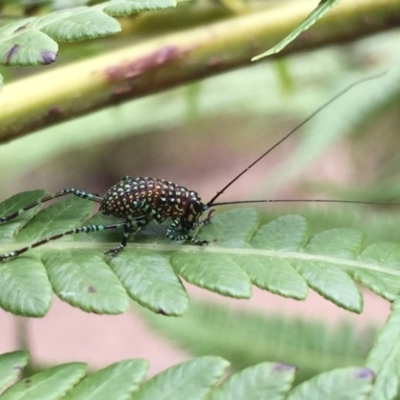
column 148, row 67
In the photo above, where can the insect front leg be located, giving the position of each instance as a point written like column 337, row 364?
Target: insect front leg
column 82, row 229
column 171, row 234
column 64, row 192
column 204, row 221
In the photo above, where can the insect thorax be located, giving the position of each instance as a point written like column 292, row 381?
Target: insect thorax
column 153, row 198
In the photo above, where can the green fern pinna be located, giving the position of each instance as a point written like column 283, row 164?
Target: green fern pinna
column 139, row 200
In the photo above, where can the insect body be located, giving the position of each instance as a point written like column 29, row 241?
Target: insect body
column 137, row 201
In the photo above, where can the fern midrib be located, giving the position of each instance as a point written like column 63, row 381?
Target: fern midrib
column 341, row 262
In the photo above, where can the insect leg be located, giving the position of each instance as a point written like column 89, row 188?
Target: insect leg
column 52, row 196
column 171, row 234
column 204, row 221
column 82, row 229
column 128, row 232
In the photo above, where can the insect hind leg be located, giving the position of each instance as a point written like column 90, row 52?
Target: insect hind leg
column 82, row 229
column 64, row 192
column 129, row 230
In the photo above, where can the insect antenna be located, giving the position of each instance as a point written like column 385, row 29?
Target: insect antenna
column 375, row 203
column 295, row 129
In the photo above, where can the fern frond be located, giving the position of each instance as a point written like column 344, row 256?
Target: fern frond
column 384, row 358
column 116, row 381
column 246, row 338
column 33, row 41
column 194, row 379
column 278, row 257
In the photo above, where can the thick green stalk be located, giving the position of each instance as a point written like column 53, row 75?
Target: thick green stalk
column 148, row 67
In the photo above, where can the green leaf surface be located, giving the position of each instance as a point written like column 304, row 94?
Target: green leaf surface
column 387, row 257
column 24, row 287
column 20, row 45
column 330, row 280
column 287, row 233
column 266, row 381
column 279, row 257
column 332, row 283
column 227, row 232
column 11, row 365
column 150, row 280
column 47, row 385
column 353, row 383
column 384, row 359
column 116, row 382
column 77, row 24
column 189, row 380
column 83, row 279
column 275, row 275
column 314, row 16
column 13, row 204
column 125, row 7
column 32, row 41
column 216, row 272
column 56, row 218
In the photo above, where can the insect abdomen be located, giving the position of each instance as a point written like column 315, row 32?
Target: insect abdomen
column 135, row 197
